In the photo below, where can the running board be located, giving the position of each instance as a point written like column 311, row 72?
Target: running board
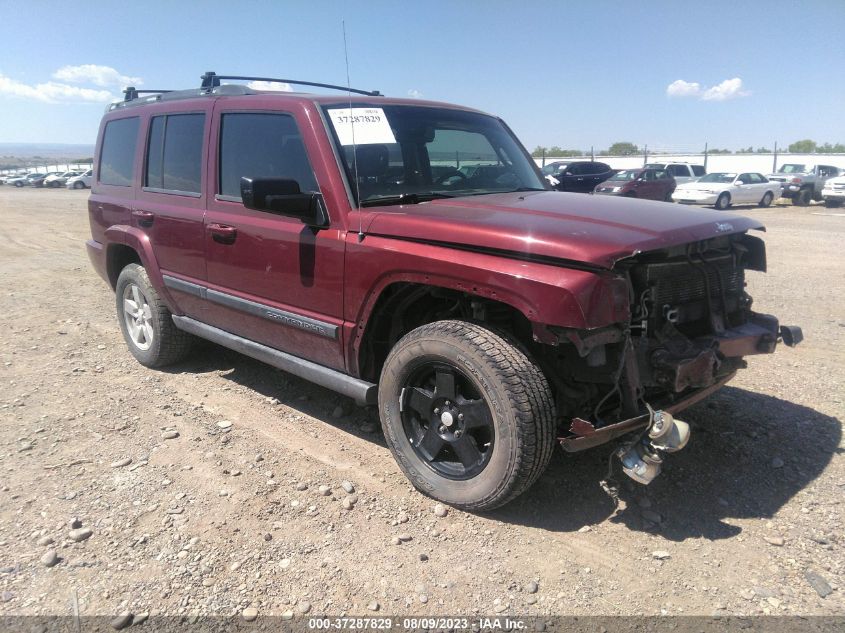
column 363, row 392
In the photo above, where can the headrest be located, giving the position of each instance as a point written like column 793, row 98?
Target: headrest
column 373, row 160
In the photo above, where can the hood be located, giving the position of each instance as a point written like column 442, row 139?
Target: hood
column 703, row 186
column 595, row 231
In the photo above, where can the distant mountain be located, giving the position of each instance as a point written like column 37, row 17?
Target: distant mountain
column 50, row 151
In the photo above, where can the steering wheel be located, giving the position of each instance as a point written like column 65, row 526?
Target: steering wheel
column 442, row 179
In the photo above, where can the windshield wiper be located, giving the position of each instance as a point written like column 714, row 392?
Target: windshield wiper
column 404, row 198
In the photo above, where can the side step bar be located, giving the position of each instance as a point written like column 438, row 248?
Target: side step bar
column 365, row 393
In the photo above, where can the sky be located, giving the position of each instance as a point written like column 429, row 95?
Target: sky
column 575, row 73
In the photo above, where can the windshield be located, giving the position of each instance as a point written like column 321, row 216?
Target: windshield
column 414, row 153
column 717, row 178
column 792, row 169
column 626, row 174
column 655, row 165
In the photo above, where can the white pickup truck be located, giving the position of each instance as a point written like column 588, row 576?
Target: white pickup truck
column 681, row 172
column 802, row 182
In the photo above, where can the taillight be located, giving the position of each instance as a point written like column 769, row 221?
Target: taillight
column 796, row 181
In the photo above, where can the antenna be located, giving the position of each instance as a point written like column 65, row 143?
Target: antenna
column 354, row 147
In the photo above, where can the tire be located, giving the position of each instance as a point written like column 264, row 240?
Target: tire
column 79, row 185
column 154, row 340
column 767, row 199
column 19, row 184
column 723, row 201
column 668, row 197
column 802, row 198
column 831, row 204
column 508, row 407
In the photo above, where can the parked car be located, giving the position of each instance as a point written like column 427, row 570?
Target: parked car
column 81, row 181
column 24, row 180
column 488, row 318
column 833, row 191
column 802, row 183
column 39, row 181
column 59, row 179
column 580, row 176
column 681, row 172
column 649, row 184
column 722, row 189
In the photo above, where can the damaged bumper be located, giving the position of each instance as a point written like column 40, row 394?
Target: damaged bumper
column 689, row 375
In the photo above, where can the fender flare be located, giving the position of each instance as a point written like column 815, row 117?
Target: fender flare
column 139, row 241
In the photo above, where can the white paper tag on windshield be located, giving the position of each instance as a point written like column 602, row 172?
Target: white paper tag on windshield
column 370, row 126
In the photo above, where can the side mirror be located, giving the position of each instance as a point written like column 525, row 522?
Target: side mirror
column 283, row 196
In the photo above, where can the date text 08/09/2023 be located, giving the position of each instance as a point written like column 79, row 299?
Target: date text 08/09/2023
column 494, row 623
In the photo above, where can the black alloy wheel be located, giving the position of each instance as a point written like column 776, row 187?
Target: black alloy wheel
column 447, row 421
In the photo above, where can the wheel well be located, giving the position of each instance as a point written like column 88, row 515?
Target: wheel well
column 119, row 256
column 402, row 307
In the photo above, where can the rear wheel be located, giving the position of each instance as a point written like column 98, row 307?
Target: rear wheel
column 467, row 414
column 802, row 198
column 831, row 204
column 667, row 197
column 767, row 199
column 146, row 322
column 723, row 201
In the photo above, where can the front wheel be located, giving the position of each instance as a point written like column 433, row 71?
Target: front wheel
column 79, row 185
column 723, row 201
column 831, row 204
column 767, row 199
column 146, row 322
column 467, row 414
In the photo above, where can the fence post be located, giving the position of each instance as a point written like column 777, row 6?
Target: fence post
column 645, row 155
column 775, row 159
column 544, row 158
column 705, row 157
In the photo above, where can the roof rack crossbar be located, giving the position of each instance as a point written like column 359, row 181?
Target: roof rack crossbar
column 211, row 80
column 130, row 92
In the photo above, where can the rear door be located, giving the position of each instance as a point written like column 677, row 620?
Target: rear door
column 271, row 278
column 171, row 203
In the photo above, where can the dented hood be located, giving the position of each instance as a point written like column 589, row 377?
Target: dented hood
column 592, row 230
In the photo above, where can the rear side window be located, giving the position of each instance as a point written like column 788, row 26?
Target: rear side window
column 117, row 155
column 259, row 145
column 698, row 170
column 174, row 153
column 678, row 170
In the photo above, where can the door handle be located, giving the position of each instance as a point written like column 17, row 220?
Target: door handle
column 223, row 233
column 145, row 218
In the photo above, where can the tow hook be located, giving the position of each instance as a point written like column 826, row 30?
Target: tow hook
column 642, row 460
column 791, row 335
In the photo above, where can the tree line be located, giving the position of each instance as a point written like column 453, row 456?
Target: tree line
column 624, row 148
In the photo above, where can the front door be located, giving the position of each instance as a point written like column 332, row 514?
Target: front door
column 271, row 279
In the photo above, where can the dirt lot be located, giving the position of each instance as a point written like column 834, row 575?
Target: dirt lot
column 229, row 515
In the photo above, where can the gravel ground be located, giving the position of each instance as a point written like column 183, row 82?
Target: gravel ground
column 222, row 486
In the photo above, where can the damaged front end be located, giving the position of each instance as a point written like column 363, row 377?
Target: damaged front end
column 691, row 324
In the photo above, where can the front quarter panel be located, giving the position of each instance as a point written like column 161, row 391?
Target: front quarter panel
column 546, row 294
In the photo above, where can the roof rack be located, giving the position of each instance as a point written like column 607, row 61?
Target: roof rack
column 130, row 92
column 211, row 80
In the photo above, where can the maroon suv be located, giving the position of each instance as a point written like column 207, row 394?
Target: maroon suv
column 646, row 183
column 407, row 254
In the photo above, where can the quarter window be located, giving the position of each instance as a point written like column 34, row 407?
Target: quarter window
column 259, row 145
column 174, row 153
column 117, row 155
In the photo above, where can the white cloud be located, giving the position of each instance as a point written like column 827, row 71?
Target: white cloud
column 681, row 88
column 415, row 94
column 52, row 92
column 728, row 89
column 275, row 86
column 95, row 74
